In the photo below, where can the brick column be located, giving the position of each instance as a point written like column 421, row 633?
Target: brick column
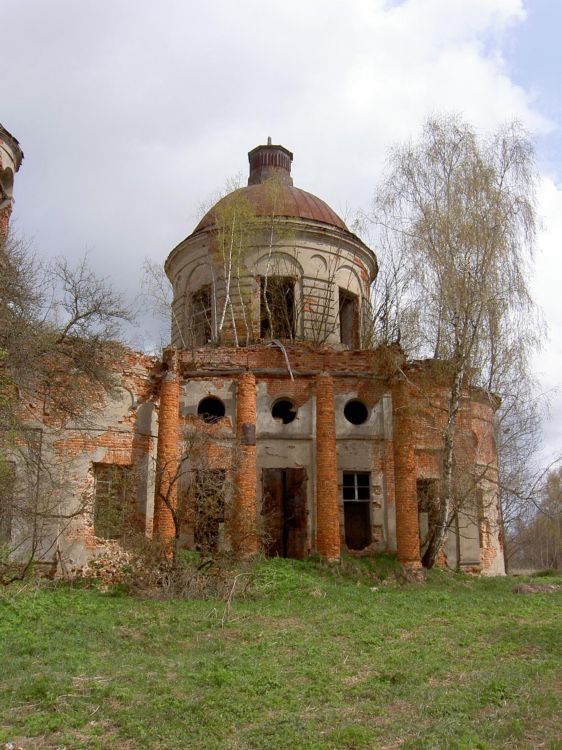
column 244, row 537
column 327, row 496
column 167, row 453
column 5, row 221
column 405, row 486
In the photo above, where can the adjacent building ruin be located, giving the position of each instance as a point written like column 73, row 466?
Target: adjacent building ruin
column 271, row 423
column 11, row 157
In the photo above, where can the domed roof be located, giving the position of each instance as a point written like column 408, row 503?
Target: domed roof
column 274, row 162
column 289, row 201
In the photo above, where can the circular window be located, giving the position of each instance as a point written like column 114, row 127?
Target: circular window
column 210, row 409
column 356, row 412
column 284, row 411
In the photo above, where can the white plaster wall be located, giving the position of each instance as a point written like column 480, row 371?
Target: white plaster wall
column 322, row 259
column 194, row 391
column 492, row 517
column 7, row 162
column 67, row 485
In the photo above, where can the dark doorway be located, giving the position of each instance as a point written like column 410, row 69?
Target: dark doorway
column 284, row 511
column 357, row 525
column 357, row 509
column 428, row 507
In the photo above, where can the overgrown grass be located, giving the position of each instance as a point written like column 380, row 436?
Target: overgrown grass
column 341, row 658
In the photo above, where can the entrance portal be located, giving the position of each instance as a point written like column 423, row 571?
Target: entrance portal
column 357, row 525
column 284, row 512
column 357, row 509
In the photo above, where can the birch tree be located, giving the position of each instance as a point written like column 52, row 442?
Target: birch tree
column 459, row 210
column 233, row 234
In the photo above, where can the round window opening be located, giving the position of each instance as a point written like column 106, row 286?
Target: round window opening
column 356, row 412
column 284, row 411
column 210, row 409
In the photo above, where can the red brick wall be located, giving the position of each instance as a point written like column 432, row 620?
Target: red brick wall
column 407, row 524
column 4, row 221
column 420, row 410
column 302, row 356
column 475, row 449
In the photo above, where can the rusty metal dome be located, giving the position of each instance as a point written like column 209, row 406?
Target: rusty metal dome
column 290, row 202
column 269, row 162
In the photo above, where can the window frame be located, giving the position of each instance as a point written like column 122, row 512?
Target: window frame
column 356, row 487
column 117, row 501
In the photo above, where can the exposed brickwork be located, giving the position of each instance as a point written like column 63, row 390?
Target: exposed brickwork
column 407, row 525
column 417, row 429
column 117, row 445
column 243, row 532
column 474, row 444
column 114, row 431
column 167, row 456
column 410, row 449
column 302, row 356
column 397, row 452
column 5, row 214
column 298, row 390
column 327, row 496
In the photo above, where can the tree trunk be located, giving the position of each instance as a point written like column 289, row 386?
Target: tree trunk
column 437, row 534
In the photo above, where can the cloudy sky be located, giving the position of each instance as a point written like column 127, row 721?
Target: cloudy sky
column 131, row 113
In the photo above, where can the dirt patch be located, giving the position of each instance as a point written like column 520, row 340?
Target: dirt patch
column 537, row 588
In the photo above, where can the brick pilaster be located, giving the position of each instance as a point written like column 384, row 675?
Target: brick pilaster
column 243, row 533
column 405, row 486
column 327, row 497
column 5, row 213
column 167, row 455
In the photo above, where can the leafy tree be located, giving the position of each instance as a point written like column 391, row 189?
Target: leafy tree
column 458, row 211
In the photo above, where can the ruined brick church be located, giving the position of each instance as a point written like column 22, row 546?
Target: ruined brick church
column 314, row 442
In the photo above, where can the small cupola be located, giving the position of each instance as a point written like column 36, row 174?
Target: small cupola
column 270, row 161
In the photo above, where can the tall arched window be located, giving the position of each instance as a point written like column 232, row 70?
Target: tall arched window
column 277, row 307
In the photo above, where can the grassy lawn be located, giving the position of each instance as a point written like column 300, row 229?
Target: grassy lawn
column 312, row 659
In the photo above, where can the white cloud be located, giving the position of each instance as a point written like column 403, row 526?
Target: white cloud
column 131, row 113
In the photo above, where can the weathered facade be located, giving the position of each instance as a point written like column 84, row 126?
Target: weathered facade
column 11, row 157
column 272, row 424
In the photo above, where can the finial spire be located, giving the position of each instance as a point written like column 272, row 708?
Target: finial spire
column 269, row 140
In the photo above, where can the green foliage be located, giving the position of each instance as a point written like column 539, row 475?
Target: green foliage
column 316, row 658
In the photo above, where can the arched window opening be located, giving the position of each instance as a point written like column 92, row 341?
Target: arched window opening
column 349, row 318
column 277, row 307
column 201, row 315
